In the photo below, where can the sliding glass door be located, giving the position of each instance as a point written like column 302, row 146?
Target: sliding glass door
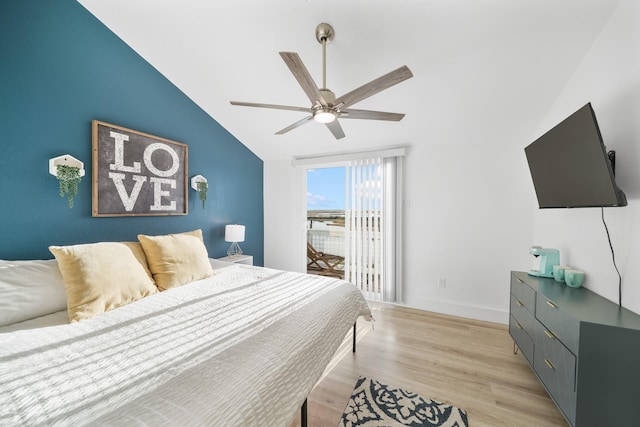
column 354, row 223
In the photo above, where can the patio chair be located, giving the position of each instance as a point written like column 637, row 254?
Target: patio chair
column 323, row 264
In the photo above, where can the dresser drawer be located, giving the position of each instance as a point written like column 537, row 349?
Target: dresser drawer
column 521, row 338
column 523, row 293
column 563, row 326
column 522, row 316
column 556, row 368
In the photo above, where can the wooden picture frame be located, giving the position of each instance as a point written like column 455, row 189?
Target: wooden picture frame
column 137, row 174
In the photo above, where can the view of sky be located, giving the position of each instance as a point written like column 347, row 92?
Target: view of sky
column 325, row 188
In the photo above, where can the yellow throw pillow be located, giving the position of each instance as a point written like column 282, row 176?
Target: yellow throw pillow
column 99, row 277
column 176, row 259
column 138, row 252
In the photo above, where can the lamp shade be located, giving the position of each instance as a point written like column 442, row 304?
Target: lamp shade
column 234, row 233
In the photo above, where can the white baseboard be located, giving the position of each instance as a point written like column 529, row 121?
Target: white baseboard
column 460, row 310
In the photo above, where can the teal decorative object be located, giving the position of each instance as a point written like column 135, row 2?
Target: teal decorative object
column 573, row 278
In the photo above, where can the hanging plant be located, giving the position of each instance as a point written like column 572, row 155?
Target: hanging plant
column 202, row 191
column 68, row 178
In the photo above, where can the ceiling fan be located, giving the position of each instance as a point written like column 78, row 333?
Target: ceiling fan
column 325, row 107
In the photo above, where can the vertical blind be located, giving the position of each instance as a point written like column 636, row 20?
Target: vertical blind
column 371, row 223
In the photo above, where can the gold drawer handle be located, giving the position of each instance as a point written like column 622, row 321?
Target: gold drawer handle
column 519, row 281
column 550, row 304
column 549, row 364
column 549, row 334
column 519, row 325
column 519, row 303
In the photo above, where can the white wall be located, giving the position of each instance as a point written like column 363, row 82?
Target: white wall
column 608, row 77
column 284, row 216
column 468, row 220
column 470, row 207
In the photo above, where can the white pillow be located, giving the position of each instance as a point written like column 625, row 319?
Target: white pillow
column 216, row 264
column 30, row 289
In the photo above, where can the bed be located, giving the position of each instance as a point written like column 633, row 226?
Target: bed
column 243, row 346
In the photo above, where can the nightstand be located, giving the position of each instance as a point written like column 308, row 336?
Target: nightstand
column 238, row 259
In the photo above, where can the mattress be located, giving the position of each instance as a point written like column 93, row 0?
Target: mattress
column 244, row 347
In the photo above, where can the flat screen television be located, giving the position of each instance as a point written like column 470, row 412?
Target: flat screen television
column 570, row 166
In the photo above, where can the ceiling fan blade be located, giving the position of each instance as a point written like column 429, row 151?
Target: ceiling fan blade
column 301, row 74
column 378, row 85
column 295, row 125
column 335, row 129
column 370, row 115
column 275, row 106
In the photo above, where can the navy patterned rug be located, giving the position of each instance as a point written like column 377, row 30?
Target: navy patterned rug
column 375, row 404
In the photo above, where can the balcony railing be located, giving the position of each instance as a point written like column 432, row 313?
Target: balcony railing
column 326, row 234
column 329, row 243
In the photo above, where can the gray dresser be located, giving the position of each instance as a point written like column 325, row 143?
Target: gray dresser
column 583, row 348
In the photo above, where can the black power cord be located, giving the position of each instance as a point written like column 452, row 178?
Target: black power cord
column 613, row 257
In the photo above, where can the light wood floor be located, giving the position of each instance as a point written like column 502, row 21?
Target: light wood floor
column 464, row 362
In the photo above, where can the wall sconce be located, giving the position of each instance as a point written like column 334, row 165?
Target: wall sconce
column 69, row 172
column 234, row 233
column 199, row 183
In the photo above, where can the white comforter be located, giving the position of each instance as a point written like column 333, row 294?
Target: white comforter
column 242, row 348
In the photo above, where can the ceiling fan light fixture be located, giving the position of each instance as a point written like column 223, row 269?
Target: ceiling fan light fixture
column 324, row 115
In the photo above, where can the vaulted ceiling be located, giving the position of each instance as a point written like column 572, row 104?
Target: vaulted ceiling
column 482, row 68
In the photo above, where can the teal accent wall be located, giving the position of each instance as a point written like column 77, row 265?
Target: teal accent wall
column 60, row 68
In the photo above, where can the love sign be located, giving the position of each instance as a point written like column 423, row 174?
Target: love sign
column 137, row 174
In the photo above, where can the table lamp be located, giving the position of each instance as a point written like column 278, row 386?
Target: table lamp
column 234, row 233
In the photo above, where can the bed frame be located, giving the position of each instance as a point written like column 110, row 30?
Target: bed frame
column 303, row 410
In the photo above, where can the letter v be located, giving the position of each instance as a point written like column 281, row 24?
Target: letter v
column 128, row 201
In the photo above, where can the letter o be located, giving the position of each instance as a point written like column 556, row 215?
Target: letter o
column 148, row 152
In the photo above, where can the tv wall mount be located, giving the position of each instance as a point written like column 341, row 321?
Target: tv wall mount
column 612, row 159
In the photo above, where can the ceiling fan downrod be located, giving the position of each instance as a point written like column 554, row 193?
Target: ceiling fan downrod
column 324, row 63
column 324, row 111
column 324, row 35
